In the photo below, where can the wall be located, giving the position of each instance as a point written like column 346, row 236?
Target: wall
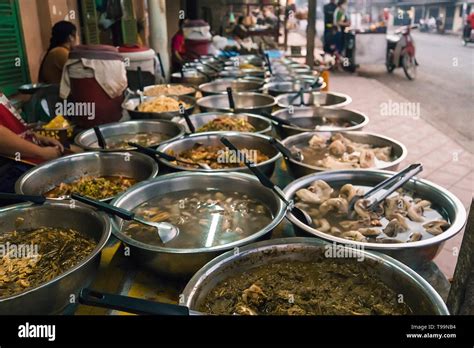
column 37, row 17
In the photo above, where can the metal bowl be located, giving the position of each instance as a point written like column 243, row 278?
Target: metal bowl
column 282, row 87
column 241, row 140
column 220, row 86
column 245, row 102
column 262, row 125
column 88, row 140
column 191, row 94
column 308, row 119
column 47, row 176
column 192, row 77
column 184, row 262
column 309, row 79
column 299, row 169
column 326, row 99
column 231, row 71
column 131, row 105
column 413, row 254
column 53, row 296
column 417, row 293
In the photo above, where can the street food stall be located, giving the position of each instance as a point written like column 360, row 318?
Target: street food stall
column 173, row 204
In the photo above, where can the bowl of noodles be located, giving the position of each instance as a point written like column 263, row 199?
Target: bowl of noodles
column 159, row 107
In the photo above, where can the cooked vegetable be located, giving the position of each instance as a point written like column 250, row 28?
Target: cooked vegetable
column 58, row 250
column 218, row 157
column 236, row 124
column 95, row 187
column 323, row 287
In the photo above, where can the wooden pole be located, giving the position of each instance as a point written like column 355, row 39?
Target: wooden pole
column 311, row 33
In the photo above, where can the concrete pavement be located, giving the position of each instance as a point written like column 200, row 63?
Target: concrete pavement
column 445, row 162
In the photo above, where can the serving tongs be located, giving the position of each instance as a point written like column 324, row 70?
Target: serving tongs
column 297, row 156
column 301, row 215
column 133, row 305
column 374, row 196
column 165, row 156
column 165, row 230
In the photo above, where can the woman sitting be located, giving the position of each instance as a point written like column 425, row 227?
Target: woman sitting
column 63, row 38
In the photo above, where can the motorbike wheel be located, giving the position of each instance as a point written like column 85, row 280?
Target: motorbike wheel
column 388, row 62
column 409, row 66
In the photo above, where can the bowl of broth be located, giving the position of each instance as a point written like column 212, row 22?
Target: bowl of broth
column 322, row 151
column 146, row 133
column 214, row 212
column 410, row 225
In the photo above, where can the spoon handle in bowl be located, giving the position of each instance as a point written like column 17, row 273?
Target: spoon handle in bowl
column 129, row 304
column 280, row 147
column 122, row 213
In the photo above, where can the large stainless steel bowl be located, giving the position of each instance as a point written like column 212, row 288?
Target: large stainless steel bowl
column 231, row 71
column 54, row 295
column 246, row 102
column 282, row 87
column 413, row 254
column 299, row 169
column 327, row 99
column 417, row 293
column 241, row 140
column 184, row 262
column 311, row 118
column 88, row 140
column 47, row 176
column 220, row 86
column 131, row 106
column 192, row 93
column 261, row 124
column 192, row 77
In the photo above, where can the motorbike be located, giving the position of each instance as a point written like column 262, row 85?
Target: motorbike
column 401, row 52
column 468, row 35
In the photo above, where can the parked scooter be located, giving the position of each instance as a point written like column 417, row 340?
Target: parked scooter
column 468, row 35
column 401, row 52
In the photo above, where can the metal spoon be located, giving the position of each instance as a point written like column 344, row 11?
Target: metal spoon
column 301, row 215
column 152, row 152
column 165, row 230
column 390, row 185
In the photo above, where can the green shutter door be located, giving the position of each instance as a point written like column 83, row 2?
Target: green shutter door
column 13, row 63
column 89, row 21
column 129, row 23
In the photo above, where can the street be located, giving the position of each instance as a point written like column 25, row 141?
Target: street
column 443, row 86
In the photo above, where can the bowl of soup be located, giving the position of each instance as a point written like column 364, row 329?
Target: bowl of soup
column 215, row 212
